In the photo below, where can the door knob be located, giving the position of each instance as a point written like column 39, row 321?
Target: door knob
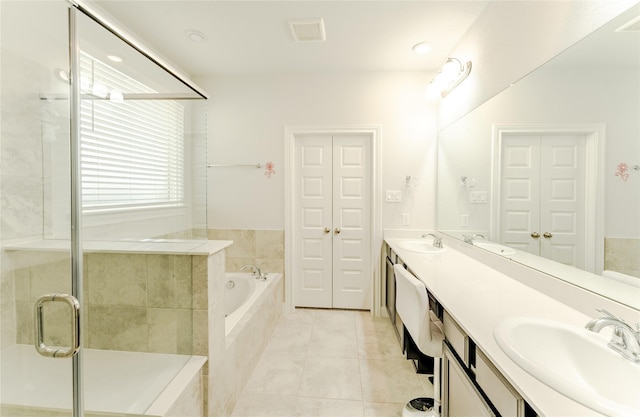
column 535, row 235
column 547, row 235
column 327, row 230
column 337, row 231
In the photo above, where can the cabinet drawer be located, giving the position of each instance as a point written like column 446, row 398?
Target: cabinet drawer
column 502, row 395
column 456, row 337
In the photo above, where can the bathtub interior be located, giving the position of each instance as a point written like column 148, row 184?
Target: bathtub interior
column 245, row 300
column 238, row 288
column 115, row 382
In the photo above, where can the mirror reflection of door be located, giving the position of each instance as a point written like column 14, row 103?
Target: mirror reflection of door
column 543, row 195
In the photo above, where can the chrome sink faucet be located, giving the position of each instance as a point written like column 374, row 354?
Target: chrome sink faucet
column 624, row 340
column 437, row 240
column 256, row 272
column 470, row 238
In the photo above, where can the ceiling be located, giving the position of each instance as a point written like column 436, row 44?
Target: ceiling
column 253, row 37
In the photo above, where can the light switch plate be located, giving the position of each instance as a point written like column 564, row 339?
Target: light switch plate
column 393, row 196
column 478, row 197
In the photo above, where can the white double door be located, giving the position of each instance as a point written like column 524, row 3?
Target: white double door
column 542, row 195
column 332, row 221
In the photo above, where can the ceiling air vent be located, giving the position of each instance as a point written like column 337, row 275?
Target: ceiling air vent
column 631, row 26
column 307, row 30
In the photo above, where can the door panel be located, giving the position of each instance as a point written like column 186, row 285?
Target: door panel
column 314, row 194
column 35, row 144
column 351, row 208
column 562, row 198
column 520, row 213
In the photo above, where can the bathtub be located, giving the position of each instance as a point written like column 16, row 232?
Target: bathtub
column 242, row 290
column 115, row 383
column 254, row 308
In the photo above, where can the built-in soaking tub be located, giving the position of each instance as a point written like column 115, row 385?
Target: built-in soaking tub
column 115, row 383
column 253, row 309
column 242, row 291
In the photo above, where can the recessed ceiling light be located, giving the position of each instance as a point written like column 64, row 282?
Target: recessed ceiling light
column 114, row 58
column 421, row 48
column 196, row 36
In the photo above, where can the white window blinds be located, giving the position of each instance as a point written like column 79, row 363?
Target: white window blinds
column 132, row 151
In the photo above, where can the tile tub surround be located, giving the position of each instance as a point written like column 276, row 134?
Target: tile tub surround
column 262, row 248
column 243, row 346
column 331, row 363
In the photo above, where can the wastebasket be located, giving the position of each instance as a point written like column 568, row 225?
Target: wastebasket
column 420, row 407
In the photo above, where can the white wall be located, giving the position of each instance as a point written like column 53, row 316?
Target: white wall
column 512, row 38
column 246, row 120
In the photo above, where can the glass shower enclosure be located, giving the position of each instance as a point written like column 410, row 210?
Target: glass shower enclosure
column 102, row 177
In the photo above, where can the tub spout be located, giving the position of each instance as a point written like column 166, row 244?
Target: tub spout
column 256, row 272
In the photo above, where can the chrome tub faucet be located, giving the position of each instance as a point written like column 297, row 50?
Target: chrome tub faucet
column 256, row 272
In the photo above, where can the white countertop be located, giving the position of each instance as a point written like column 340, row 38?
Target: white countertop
column 479, row 298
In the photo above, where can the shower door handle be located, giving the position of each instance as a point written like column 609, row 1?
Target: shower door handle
column 57, row 351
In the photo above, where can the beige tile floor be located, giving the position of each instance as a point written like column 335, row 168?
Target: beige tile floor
column 331, row 363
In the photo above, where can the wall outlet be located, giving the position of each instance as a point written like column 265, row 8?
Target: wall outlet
column 478, row 197
column 406, row 219
column 393, row 196
column 464, row 220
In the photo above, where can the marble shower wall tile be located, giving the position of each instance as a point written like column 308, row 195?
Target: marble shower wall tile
column 169, row 282
column 136, row 302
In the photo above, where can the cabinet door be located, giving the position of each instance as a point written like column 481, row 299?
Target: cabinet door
column 460, row 397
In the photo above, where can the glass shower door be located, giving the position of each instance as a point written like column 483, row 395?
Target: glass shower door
column 36, row 262
column 102, row 182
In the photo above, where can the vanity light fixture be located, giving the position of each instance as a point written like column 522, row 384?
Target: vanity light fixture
column 453, row 72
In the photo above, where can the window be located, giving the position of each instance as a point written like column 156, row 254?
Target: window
column 132, row 151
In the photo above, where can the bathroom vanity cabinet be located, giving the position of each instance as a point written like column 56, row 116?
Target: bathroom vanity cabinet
column 471, row 384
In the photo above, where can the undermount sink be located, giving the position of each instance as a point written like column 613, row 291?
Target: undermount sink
column 573, row 361
column 421, row 246
column 495, row 247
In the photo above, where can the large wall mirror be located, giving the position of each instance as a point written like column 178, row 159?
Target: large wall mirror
column 547, row 173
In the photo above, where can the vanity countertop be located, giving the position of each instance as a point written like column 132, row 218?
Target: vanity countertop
column 479, row 298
